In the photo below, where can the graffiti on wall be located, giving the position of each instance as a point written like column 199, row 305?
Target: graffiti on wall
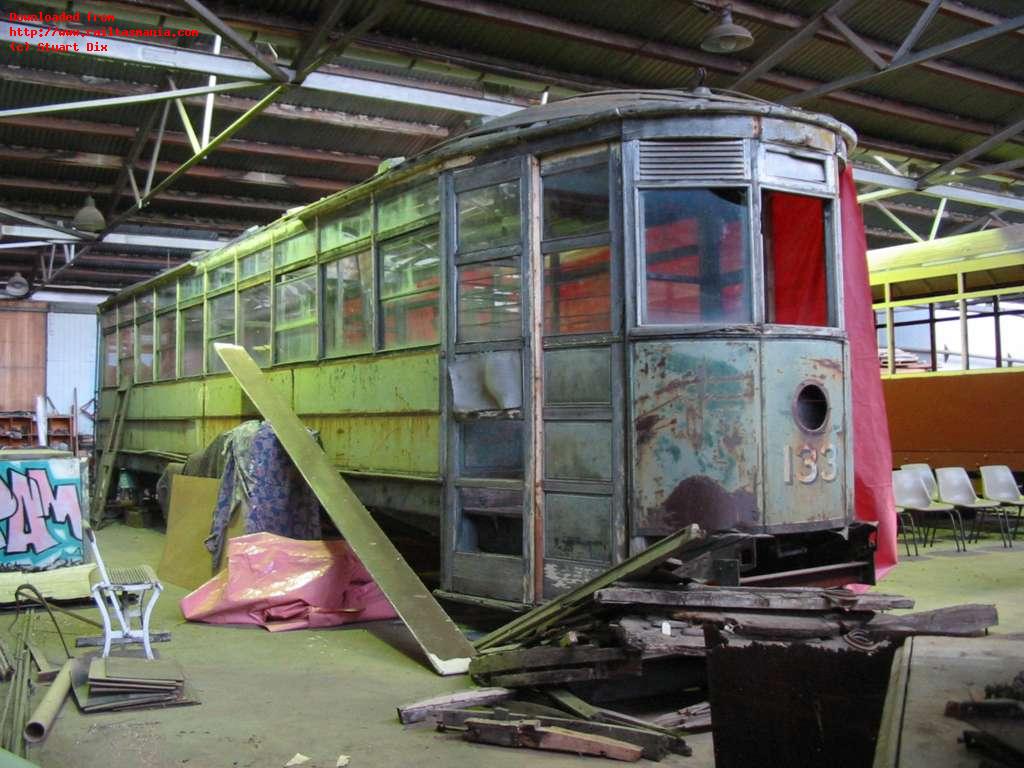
column 40, row 514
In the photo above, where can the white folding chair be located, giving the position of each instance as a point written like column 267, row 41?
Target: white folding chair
column 122, row 592
column 955, row 488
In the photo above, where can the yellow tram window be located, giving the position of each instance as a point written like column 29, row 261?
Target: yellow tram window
column 347, row 284
column 796, row 276
column 144, row 358
column 167, row 349
column 254, row 322
column 409, row 288
column 192, row 341
column 110, row 342
column 696, row 256
column 221, row 316
column 295, row 327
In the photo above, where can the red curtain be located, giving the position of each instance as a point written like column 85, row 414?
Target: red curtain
column 796, row 227
column 872, row 452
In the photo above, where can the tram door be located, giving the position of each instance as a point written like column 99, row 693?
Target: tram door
column 533, row 421
column 489, row 510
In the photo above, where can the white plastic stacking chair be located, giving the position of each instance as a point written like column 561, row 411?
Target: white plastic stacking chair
column 999, row 484
column 955, row 488
column 924, row 471
column 113, row 590
column 910, row 493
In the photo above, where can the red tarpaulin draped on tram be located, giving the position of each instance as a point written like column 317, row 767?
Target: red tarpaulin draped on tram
column 872, row 454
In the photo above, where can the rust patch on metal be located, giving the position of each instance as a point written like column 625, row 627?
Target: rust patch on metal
column 829, row 364
column 701, row 500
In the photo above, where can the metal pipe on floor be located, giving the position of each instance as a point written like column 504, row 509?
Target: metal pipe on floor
column 42, row 719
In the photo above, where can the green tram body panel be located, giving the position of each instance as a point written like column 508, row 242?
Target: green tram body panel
column 547, row 341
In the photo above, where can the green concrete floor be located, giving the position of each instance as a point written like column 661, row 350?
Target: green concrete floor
column 266, row 696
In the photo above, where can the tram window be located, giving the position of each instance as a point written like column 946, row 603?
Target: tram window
column 347, row 284
column 491, row 521
column 126, row 353
column 295, row 248
column 578, row 527
column 191, row 286
column 407, row 206
column 144, row 352
column 110, row 342
column 192, row 341
column 949, row 348
column 144, row 304
column 577, row 291
column 578, row 376
column 492, row 448
column 696, row 256
column 295, row 326
column 409, row 293
column 221, row 315
column 126, row 312
column 576, row 202
column 489, row 294
column 167, row 345
column 489, row 217
column 166, row 295
column 108, row 319
column 254, row 322
column 254, row 264
column 796, row 277
column 349, row 227
column 221, row 276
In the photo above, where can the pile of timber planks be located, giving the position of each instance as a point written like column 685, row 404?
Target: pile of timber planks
column 620, row 631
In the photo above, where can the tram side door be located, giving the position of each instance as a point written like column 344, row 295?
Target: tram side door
column 488, row 523
column 534, row 384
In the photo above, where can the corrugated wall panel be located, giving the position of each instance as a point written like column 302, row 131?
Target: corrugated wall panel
column 22, row 359
column 71, row 362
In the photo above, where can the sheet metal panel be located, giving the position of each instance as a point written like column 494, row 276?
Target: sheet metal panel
column 696, row 435
column 804, row 471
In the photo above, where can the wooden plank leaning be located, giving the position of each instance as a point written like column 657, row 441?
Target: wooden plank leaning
column 446, row 648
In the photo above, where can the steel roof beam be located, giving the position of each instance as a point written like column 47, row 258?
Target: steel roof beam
column 121, row 101
column 908, row 60
column 919, row 26
column 222, row 66
column 976, row 151
column 243, row 46
column 57, row 234
column 971, row 196
column 37, row 222
column 314, row 60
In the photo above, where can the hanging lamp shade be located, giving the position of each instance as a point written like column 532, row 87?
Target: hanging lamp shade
column 89, row 218
column 726, row 36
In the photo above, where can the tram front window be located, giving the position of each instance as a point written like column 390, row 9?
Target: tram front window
column 796, row 275
column 696, row 256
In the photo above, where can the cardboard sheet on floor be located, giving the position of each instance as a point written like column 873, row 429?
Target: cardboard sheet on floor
column 186, row 562
column 70, row 583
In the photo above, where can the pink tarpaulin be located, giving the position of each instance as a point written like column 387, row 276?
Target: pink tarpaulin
column 283, row 583
column 872, row 452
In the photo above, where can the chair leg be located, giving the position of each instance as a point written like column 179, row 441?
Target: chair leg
column 958, row 540
column 150, row 604
column 909, row 527
column 100, row 599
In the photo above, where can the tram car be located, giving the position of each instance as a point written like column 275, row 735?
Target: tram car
column 547, row 342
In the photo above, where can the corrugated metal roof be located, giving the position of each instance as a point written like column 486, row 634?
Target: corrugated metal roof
column 635, row 60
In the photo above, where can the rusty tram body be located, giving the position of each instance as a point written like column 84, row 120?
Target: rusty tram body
column 547, row 342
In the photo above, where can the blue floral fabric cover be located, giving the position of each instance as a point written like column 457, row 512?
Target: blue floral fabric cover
column 262, row 484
